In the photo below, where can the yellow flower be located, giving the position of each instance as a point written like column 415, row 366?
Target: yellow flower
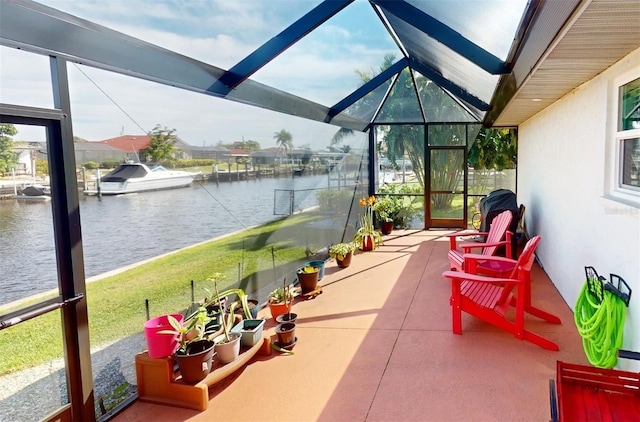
column 367, row 202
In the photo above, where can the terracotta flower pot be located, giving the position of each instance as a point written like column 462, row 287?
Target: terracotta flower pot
column 286, row 333
column 344, row 263
column 308, row 280
column 287, row 317
column 278, row 308
column 386, row 227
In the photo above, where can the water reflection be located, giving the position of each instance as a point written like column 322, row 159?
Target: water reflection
column 122, row 230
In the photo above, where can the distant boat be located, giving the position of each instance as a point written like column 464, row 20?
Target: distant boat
column 137, row 177
column 34, row 193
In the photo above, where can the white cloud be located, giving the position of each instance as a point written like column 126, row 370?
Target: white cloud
column 320, row 67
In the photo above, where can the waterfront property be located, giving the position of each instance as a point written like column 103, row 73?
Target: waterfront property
column 563, row 75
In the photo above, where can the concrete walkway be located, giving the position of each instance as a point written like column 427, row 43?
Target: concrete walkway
column 377, row 345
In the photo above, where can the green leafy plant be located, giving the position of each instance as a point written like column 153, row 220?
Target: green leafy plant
column 220, row 298
column 226, row 324
column 194, row 326
column 385, row 208
column 340, row 250
column 367, row 229
column 333, row 200
column 407, row 206
column 189, row 331
column 280, row 295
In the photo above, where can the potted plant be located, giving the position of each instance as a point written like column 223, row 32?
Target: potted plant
column 342, row 253
column 385, row 209
column 407, row 205
column 252, row 312
column 216, row 303
column 367, row 237
column 227, row 345
column 287, row 317
column 195, row 350
column 286, row 333
column 308, row 278
column 318, row 263
column 160, row 345
column 250, row 330
column 280, row 301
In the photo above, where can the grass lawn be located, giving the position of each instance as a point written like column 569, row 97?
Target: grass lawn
column 116, row 304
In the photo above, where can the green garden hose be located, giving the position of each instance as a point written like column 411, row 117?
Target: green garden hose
column 601, row 326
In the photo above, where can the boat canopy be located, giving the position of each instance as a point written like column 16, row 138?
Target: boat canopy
column 124, row 172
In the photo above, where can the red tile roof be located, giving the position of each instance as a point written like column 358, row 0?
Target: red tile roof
column 128, row 143
column 236, row 152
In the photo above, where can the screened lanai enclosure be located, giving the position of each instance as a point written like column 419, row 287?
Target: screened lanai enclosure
column 382, row 98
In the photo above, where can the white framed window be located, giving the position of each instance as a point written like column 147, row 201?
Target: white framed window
column 628, row 123
column 630, row 163
column 624, row 149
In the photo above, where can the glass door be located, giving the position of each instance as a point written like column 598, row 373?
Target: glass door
column 446, row 194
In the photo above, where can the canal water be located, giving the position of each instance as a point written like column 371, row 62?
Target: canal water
column 121, row 230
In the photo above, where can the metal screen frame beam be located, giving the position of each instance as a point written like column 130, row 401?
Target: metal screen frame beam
column 278, row 44
column 67, row 240
column 449, row 86
column 366, row 88
column 28, row 25
column 445, row 35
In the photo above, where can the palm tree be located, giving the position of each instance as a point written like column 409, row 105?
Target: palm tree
column 284, row 140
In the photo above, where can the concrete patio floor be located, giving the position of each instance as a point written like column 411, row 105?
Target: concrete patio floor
column 377, row 345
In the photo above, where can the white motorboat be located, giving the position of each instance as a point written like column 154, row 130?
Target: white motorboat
column 137, row 177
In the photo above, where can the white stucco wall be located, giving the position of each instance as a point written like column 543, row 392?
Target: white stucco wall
column 563, row 177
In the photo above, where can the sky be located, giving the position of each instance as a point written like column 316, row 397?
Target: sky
column 321, row 67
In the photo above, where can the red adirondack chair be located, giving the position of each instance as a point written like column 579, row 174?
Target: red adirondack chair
column 497, row 231
column 488, row 298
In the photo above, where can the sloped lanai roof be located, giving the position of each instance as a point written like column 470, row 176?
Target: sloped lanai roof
column 500, row 61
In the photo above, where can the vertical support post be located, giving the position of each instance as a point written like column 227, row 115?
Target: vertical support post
column 372, row 162
column 98, row 183
column 13, row 177
column 292, row 198
column 426, row 208
column 68, row 244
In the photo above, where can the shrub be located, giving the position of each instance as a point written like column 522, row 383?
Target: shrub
column 386, row 207
column 110, row 164
column 331, row 200
column 199, row 162
column 406, row 207
column 42, row 166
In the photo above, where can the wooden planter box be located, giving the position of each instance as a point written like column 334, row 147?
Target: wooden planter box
column 159, row 383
